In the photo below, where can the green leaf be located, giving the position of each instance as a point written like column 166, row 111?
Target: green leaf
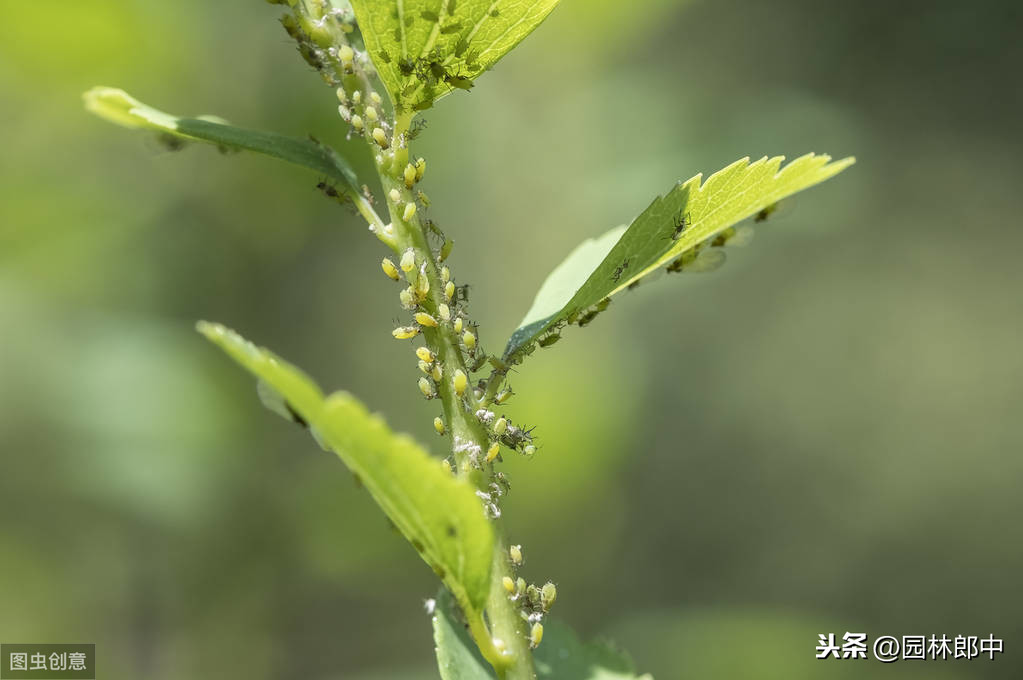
column 439, row 514
column 561, row 656
column 117, row 106
column 424, row 49
column 457, row 656
column 601, row 267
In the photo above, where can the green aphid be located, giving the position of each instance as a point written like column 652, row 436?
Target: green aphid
column 549, row 339
column 460, row 82
column 429, row 15
column 451, row 28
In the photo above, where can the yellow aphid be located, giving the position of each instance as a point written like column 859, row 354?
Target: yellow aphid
column 346, row 54
column 390, row 269
column 444, row 311
column 520, row 585
column 410, row 176
column 405, row 332
column 425, row 367
column 437, row 372
column 407, row 299
column 371, row 114
column 460, row 382
column 438, row 425
column 422, row 285
column 536, row 635
column 445, row 274
column 445, row 249
column 469, row 339
column 458, row 325
column 357, row 120
column 449, row 290
column 529, row 450
column 357, row 96
column 380, row 137
column 420, row 168
column 503, row 396
column 478, row 393
column 492, row 452
column 394, row 195
column 515, row 553
column 500, row 426
column 424, row 319
column 342, row 96
column 548, row 594
column 375, row 98
column 410, row 211
column 426, row 387
column 446, row 466
column 425, row 354
column 408, row 260
column 508, row 584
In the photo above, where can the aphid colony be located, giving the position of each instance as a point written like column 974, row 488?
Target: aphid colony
column 533, row 601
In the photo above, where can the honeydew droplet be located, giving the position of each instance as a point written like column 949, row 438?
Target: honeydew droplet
column 390, row 269
column 460, row 382
column 410, row 176
column 380, row 137
column 424, row 319
column 425, row 354
column 515, row 553
column 492, row 452
column 438, row 424
column 405, row 332
column 500, row 426
column 426, row 387
column 408, row 260
column 410, row 211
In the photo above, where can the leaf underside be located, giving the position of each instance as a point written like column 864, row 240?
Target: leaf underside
column 602, row 267
column 561, row 656
column 439, row 514
column 424, row 49
column 117, row 106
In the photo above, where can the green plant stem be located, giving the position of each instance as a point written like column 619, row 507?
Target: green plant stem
column 514, row 661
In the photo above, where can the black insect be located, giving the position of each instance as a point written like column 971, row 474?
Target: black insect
column 328, row 189
column 680, row 223
column 765, row 213
column 621, row 268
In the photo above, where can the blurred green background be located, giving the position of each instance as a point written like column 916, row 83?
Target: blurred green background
column 822, row 436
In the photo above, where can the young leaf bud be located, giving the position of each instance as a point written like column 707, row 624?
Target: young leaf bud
column 460, row 382
column 425, row 354
column 405, row 332
column 515, row 553
column 389, row 269
column 508, row 584
column 444, row 311
column 424, row 319
column 548, row 594
column 410, row 211
column 445, row 274
column 426, row 387
column 492, row 452
column 380, row 137
column 408, row 260
column 410, row 176
column 438, row 425
column 500, row 426
column 536, row 635
column 469, row 339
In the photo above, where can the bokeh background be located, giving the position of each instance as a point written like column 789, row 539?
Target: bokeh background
column 824, row 435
